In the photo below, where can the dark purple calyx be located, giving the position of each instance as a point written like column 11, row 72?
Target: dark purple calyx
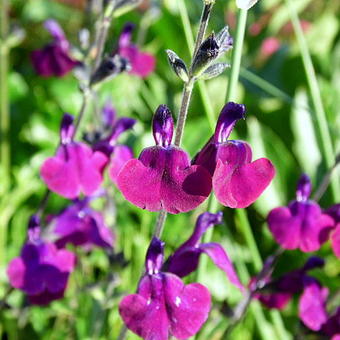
column 154, row 256
column 33, row 229
column 304, row 188
column 66, row 129
column 163, row 126
column 229, row 115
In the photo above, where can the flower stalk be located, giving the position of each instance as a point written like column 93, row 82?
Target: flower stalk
column 185, row 102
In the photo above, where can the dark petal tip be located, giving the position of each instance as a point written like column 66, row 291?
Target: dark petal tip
column 163, row 126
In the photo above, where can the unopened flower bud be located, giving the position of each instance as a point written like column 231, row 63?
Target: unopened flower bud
column 178, row 65
column 110, row 67
column 207, row 52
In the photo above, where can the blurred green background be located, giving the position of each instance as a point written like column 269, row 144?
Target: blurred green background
column 280, row 125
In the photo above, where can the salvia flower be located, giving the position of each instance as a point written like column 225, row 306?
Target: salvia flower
column 75, row 168
column 186, row 258
column 237, row 180
column 312, row 305
column 80, row 225
column 117, row 154
column 334, row 212
column 162, row 177
column 41, row 270
column 163, row 305
column 302, row 225
column 142, row 64
column 54, row 59
column 276, row 293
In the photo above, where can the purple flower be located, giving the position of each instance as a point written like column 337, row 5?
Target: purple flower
column 163, row 305
column 312, row 305
column 162, row 178
column 54, row 59
column 79, row 224
column 276, row 293
column 142, row 64
column 302, row 224
column 237, row 181
column 186, row 258
column 117, row 155
column 41, row 271
column 334, row 212
column 75, row 168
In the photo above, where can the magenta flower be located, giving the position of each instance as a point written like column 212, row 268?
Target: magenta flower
column 312, row 306
column 186, row 258
column 162, row 177
column 75, row 168
column 276, row 293
column 302, row 224
column 334, row 212
column 54, row 59
column 117, row 155
column 163, row 305
column 237, row 181
column 41, row 271
column 142, row 64
column 80, row 225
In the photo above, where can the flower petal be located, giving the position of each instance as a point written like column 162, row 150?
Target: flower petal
column 312, row 310
column 241, row 186
column 221, row 260
column 121, row 154
column 163, row 178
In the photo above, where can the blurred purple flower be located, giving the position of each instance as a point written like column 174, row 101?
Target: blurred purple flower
column 75, row 168
column 276, row 293
column 163, row 305
column 117, row 155
column 302, row 224
column 41, row 271
column 237, row 181
column 186, row 258
column 54, row 59
column 334, row 212
column 162, row 178
column 142, row 64
column 80, row 225
column 312, row 305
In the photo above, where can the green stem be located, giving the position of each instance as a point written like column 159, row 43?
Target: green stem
column 5, row 173
column 4, row 105
column 321, row 118
column 237, row 55
column 187, row 91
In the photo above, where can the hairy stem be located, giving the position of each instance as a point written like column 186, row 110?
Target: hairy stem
column 186, row 96
column 101, row 36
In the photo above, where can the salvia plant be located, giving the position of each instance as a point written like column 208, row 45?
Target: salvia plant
column 102, row 177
